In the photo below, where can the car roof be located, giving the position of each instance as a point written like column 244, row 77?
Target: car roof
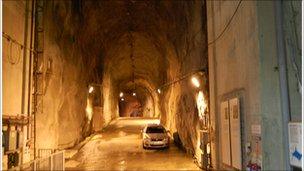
column 155, row 125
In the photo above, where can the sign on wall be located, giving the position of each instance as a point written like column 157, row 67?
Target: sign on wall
column 235, row 127
column 225, row 138
column 231, row 133
column 295, row 144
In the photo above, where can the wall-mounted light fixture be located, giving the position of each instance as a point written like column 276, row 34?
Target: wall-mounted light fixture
column 91, row 89
column 133, row 94
column 121, row 94
column 199, row 73
column 158, row 90
column 122, row 99
column 208, row 149
column 195, row 82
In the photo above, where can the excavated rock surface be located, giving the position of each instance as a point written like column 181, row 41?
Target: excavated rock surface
column 94, row 41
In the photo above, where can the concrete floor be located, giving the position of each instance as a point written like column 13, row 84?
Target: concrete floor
column 119, row 147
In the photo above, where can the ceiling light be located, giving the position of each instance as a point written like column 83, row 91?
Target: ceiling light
column 121, row 94
column 91, row 89
column 195, row 82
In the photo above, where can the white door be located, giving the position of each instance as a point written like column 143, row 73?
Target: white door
column 225, row 137
column 235, row 132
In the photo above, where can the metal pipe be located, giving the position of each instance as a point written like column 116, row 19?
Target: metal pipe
column 283, row 78
column 24, row 57
column 181, row 78
column 30, row 69
column 204, row 20
column 216, row 113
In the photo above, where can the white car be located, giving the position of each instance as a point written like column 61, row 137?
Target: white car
column 155, row 136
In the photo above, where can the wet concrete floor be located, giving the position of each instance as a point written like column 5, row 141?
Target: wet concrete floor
column 119, row 147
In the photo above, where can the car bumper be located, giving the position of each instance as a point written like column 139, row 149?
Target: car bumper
column 155, row 144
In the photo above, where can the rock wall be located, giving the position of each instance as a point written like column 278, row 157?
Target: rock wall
column 129, row 46
column 179, row 100
column 64, row 121
column 146, row 45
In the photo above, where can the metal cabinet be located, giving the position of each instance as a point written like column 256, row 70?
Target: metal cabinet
column 231, row 147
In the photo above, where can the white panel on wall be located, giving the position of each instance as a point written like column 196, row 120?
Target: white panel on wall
column 235, row 128
column 225, row 138
column 295, row 143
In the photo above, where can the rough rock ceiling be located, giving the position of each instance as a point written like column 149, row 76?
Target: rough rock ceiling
column 156, row 27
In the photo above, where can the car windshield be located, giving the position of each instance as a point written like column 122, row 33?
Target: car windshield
column 155, row 130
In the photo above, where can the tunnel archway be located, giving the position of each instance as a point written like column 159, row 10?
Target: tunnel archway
column 145, row 63
column 144, row 100
column 146, row 43
column 139, row 105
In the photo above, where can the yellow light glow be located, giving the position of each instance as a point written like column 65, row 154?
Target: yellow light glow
column 91, row 89
column 134, row 94
column 195, row 82
column 201, row 104
column 198, row 150
column 158, row 90
column 122, row 99
column 121, row 94
column 208, row 148
column 89, row 110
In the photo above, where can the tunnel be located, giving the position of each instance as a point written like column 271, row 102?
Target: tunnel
column 90, row 79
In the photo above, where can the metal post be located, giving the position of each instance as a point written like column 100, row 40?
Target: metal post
column 283, row 78
column 52, row 161
column 35, row 166
column 63, row 160
column 24, row 57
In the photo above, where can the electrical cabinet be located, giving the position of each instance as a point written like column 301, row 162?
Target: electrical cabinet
column 231, row 147
column 235, row 133
column 205, row 147
column 12, row 139
column 225, row 131
column 19, row 138
column 5, row 140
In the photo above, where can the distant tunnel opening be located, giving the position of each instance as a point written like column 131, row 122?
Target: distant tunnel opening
column 130, row 107
column 137, row 103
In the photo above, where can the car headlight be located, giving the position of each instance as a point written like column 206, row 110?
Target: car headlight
column 165, row 140
column 146, row 137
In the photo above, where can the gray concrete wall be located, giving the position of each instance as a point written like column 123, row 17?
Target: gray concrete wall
column 272, row 112
column 233, row 66
column 272, row 138
column 292, row 28
column 13, row 58
column 15, row 65
column 243, row 62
